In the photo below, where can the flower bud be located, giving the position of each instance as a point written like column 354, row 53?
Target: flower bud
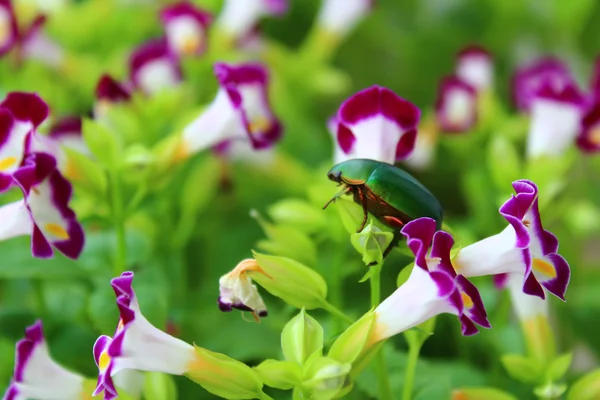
column 284, row 375
column 324, row 377
column 302, row 336
column 294, row 283
column 224, row 376
column 354, row 342
column 586, row 388
column 371, row 242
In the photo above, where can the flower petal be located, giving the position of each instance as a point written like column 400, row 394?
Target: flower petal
column 474, row 66
column 152, row 67
column 186, row 28
column 456, row 105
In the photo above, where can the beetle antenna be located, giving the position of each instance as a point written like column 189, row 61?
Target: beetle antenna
column 338, row 194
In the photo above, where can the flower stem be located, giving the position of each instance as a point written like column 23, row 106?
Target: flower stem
column 411, row 367
column 383, row 381
column 333, row 310
column 119, row 223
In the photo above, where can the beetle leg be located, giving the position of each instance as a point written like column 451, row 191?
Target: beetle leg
column 363, row 200
column 339, row 194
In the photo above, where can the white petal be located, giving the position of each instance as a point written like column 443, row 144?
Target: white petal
column 157, row 75
column 242, row 150
column 423, row 152
column 217, row 123
column 414, row 302
column 493, row 255
column 554, row 126
column 45, row 213
column 45, row 379
column 147, row 348
column 16, row 220
column 340, row 16
column 5, row 29
column 376, row 139
column 526, row 306
column 41, row 48
column 460, row 105
column 185, row 34
column 477, row 70
column 11, row 152
column 239, row 16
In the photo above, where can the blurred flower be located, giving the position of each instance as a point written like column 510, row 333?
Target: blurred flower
column 20, row 114
column 338, row 154
column 238, row 17
column 338, row 17
column 456, row 105
column 9, row 33
column 37, row 375
column 242, row 151
column 137, row 344
column 524, row 247
column 36, row 45
column 237, row 291
column 530, row 79
column 424, row 150
column 240, row 111
column 555, row 119
column 432, row 288
column 376, row 123
column 589, row 136
column 44, row 212
column 186, row 28
column 153, row 67
column 474, row 66
column 109, row 91
column 66, row 133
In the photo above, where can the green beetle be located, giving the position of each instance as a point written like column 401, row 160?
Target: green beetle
column 389, row 193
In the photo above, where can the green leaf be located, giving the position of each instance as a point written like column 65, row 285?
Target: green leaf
column 404, row 274
column 504, row 162
column 297, row 213
column 86, row 173
column 559, row 366
column 159, row 386
column 586, row 388
column 521, row 368
column 103, row 143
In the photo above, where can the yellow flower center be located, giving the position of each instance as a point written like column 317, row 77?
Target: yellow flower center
column 466, row 299
column 7, row 162
column 104, row 361
column 594, row 135
column 259, row 124
column 57, row 231
column 190, row 45
column 544, row 267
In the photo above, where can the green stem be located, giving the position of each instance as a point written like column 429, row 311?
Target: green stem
column 383, row 381
column 38, row 293
column 411, row 367
column 119, row 222
column 334, row 284
column 337, row 312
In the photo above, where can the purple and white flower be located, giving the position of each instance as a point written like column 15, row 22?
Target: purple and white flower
column 432, row 288
column 338, row 17
column 456, row 105
column 108, row 92
column 555, row 119
column 378, row 124
column 37, row 375
column 524, row 247
column 240, row 111
column 424, row 151
column 186, row 28
column 474, row 65
column 237, row 291
column 136, row 344
column 9, row 31
column 530, row 79
column 153, row 67
column 20, row 114
column 36, row 45
column 44, row 212
column 239, row 17
column 589, row 136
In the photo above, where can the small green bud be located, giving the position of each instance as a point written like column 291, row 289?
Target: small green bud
column 559, row 366
column 301, row 337
column 299, row 214
column 224, row 376
column 522, row 368
column 371, row 242
column 586, row 388
column 324, row 377
column 354, row 342
column 284, row 375
column 481, row 394
column 294, row 283
column 351, row 214
column 159, row 386
column 550, row 391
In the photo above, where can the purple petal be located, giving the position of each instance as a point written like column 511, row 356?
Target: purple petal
column 444, row 282
column 441, row 247
column 26, row 107
column 419, row 234
column 589, row 138
column 67, row 126
column 558, row 285
column 187, row 9
column 477, row 311
column 13, row 30
column 12, row 392
column 110, row 90
column 152, row 50
column 500, row 281
column 101, row 344
column 34, row 336
column 515, row 208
